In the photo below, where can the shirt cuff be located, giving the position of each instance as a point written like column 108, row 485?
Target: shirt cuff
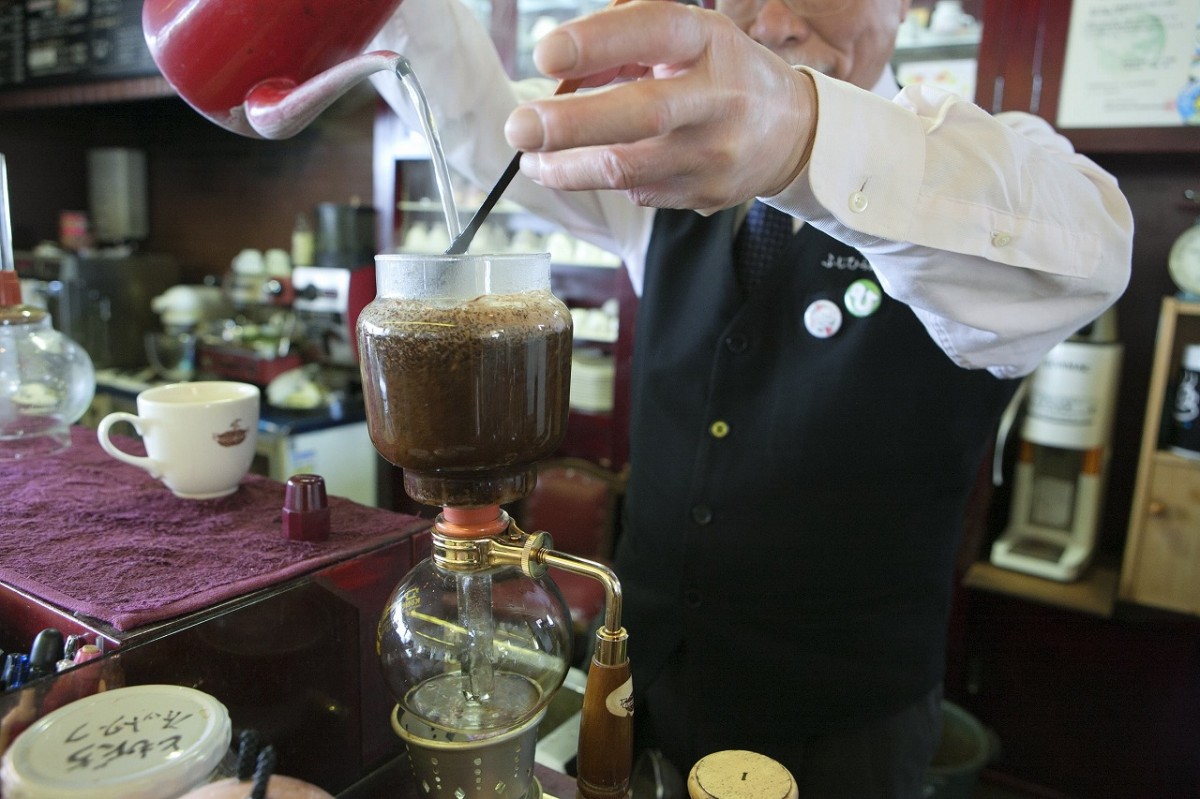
column 852, row 175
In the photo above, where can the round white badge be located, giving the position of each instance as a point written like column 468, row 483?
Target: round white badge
column 863, row 297
column 823, row 319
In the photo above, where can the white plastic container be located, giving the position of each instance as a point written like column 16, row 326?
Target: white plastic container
column 142, row 742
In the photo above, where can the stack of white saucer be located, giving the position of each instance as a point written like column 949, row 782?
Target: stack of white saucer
column 592, row 381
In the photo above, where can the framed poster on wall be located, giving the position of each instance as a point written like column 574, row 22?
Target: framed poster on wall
column 1131, row 64
column 1108, row 74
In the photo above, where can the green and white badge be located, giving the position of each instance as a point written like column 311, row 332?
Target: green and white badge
column 863, row 297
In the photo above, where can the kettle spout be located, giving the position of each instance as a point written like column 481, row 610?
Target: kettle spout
column 279, row 108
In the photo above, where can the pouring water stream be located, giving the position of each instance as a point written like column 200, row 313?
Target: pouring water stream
column 441, row 172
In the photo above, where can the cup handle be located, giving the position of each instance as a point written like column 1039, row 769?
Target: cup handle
column 106, row 444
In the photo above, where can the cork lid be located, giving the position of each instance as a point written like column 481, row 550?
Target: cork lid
column 738, row 774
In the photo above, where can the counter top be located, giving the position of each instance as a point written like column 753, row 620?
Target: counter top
column 271, row 421
column 104, row 539
column 212, row 597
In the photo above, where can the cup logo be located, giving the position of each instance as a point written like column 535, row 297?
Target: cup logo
column 235, row 435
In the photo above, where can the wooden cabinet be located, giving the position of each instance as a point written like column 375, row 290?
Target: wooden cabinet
column 1162, row 551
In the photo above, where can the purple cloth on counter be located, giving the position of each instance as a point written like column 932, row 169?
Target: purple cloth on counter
column 99, row 537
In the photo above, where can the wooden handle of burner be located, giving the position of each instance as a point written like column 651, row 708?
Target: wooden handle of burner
column 605, row 758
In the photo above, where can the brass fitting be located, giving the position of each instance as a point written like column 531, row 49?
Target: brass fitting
column 509, row 545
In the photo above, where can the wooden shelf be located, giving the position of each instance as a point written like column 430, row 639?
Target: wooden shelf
column 149, row 87
column 1169, row 458
column 1162, row 547
column 1095, row 593
column 432, row 207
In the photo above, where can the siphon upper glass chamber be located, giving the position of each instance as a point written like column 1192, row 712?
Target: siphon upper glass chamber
column 466, row 367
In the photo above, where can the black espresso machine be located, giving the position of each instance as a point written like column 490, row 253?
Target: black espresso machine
column 102, row 301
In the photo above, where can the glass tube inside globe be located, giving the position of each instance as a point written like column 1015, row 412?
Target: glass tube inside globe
column 475, row 614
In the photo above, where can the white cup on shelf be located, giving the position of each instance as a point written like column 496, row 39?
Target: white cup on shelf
column 948, row 17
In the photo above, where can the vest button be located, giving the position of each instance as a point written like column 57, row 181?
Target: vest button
column 693, row 598
column 736, row 344
column 702, row 514
column 718, row 429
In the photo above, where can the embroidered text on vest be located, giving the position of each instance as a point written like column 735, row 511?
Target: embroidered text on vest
column 845, row 262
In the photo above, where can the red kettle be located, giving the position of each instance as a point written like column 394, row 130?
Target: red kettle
column 265, row 68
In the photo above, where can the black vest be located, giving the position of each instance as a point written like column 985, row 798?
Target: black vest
column 795, row 503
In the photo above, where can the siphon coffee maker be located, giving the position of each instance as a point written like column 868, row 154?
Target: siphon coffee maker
column 465, row 363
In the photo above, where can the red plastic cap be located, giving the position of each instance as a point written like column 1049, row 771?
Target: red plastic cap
column 305, row 508
column 471, row 516
column 10, row 288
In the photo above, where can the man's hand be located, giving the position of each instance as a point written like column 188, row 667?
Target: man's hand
column 701, row 116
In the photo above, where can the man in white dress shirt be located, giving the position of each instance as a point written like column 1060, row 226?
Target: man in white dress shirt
column 803, row 444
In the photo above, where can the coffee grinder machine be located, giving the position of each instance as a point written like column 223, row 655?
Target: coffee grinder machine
column 330, row 292
column 1062, row 469
column 466, row 373
column 327, row 301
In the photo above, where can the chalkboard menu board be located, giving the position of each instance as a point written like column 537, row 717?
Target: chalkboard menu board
column 54, row 42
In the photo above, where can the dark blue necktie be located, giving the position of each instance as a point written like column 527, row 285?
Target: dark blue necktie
column 758, row 244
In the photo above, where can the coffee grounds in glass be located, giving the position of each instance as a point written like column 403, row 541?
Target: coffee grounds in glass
column 467, row 398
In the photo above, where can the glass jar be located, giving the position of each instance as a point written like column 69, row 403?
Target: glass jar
column 46, row 380
column 466, row 367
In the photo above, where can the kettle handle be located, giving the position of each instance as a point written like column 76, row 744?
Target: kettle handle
column 102, row 434
column 278, row 108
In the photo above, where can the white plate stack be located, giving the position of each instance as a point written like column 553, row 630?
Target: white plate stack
column 592, row 381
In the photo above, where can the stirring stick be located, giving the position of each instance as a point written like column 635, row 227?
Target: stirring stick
column 463, row 240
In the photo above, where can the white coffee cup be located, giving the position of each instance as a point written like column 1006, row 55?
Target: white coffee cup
column 199, row 437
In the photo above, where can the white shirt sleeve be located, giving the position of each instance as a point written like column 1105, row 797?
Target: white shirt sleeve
column 1002, row 239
